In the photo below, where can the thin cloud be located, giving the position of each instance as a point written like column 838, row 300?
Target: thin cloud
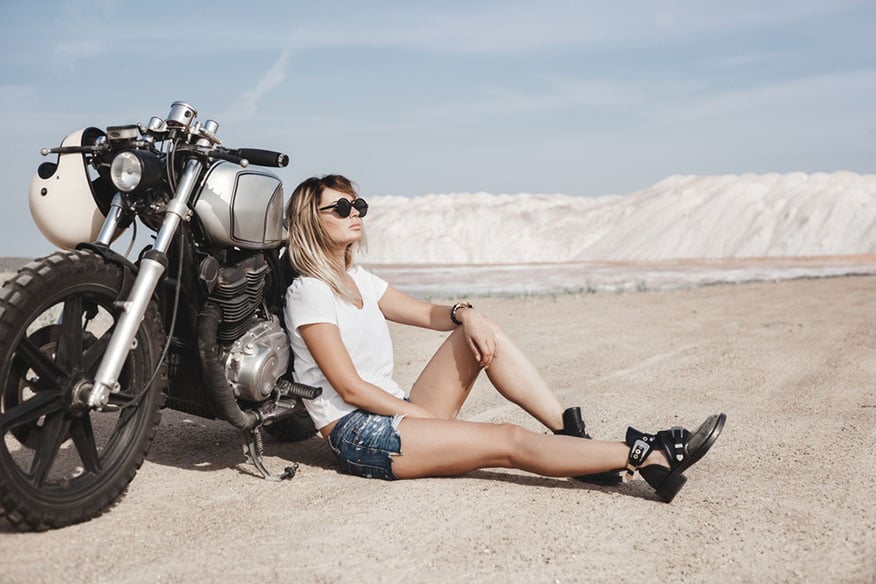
column 247, row 106
column 512, row 27
column 797, row 100
column 553, row 96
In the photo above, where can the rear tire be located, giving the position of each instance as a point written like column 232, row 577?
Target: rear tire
column 295, row 428
column 61, row 462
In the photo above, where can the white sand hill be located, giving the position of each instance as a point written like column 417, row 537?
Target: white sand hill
column 771, row 215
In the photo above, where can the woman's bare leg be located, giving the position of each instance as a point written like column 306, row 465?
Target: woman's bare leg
column 447, row 379
column 433, row 447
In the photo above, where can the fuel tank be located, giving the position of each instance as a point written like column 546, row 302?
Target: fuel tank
column 241, row 207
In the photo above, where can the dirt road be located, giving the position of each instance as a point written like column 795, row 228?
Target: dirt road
column 786, row 495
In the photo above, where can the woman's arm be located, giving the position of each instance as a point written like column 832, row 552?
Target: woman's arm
column 479, row 332
column 403, row 309
column 324, row 342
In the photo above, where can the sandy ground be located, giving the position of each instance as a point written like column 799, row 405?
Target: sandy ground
column 786, row 495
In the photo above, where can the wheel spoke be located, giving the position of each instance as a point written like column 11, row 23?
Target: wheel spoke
column 69, row 351
column 42, row 404
column 125, row 416
column 92, row 355
column 83, row 437
column 53, row 435
column 124, row 397
column 51, row 376
column 120, row 399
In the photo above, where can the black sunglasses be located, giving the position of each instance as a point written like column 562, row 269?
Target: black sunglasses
column 343, row 207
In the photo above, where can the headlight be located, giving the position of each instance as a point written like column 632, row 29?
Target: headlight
column 126, row 171
column 135, row 170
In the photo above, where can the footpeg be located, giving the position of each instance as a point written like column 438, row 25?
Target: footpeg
column 293, row 388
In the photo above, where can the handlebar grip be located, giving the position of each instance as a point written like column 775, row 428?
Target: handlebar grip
column 230, row 156
column 262, row 157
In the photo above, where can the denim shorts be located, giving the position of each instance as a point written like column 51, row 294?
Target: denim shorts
column 364, row 444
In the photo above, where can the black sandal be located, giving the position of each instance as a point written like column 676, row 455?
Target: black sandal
column 682, row 449
column 573, row 425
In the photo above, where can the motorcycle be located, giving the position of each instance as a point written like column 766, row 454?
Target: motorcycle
column 93, row 344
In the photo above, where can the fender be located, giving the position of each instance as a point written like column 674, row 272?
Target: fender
column 129, row 268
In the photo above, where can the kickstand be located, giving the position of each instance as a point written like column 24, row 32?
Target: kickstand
column 253, row 449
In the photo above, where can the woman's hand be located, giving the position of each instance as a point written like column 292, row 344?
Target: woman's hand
column 479, row 332
column 480, row 336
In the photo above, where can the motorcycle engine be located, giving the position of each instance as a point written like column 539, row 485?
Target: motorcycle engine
column 255, row 351
column 256, row 360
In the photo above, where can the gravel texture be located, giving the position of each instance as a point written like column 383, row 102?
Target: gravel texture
column 786, row 494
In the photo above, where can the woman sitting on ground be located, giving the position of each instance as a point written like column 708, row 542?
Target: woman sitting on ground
column 336, row 315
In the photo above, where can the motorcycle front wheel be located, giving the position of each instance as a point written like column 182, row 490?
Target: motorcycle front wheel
column 60, row 461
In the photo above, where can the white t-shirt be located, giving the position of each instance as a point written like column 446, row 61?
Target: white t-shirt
column 364, row 333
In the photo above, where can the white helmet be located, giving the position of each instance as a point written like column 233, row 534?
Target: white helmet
column 66, row 204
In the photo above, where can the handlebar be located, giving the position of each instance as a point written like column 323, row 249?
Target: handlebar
column 75, row 149
column 246, row 156
column 261, row 157
column 241, row 156
column 227, row 155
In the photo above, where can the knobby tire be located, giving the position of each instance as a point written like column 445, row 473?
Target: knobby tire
column 60, row 462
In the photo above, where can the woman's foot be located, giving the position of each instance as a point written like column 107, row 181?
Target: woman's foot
column 662, row 458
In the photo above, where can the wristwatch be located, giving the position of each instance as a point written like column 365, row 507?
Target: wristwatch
column 456, row 307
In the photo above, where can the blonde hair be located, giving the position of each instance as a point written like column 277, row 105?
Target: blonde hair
column 309, row 244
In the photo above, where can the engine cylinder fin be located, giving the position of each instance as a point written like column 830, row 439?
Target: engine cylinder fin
column 239, row 294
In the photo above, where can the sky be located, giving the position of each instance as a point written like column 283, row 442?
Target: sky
column 583, row 98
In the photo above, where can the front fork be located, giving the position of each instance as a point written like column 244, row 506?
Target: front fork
column 148, row 276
